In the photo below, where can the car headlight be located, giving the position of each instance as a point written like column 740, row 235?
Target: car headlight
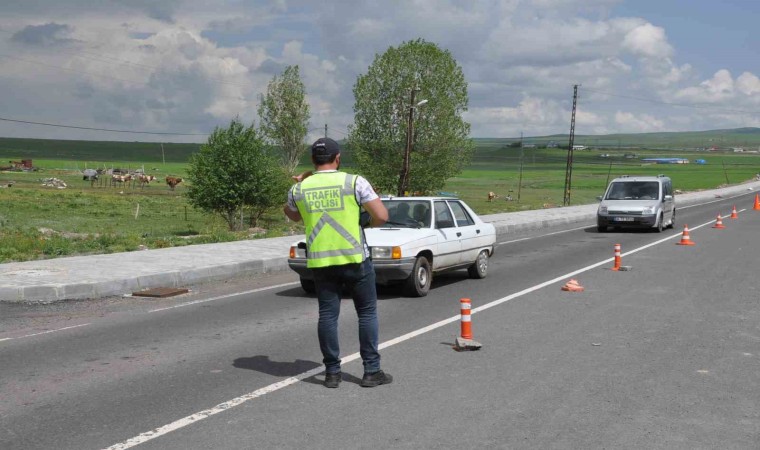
column 649, row 210
column 386, row 252
column 603, row 209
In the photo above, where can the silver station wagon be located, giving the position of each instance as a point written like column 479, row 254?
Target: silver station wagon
column 423, row 236
column 637, row 202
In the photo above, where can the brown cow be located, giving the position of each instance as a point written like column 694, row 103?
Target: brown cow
column 120, row 179
column 145, row 179
column 492, row 196
column 173, row 182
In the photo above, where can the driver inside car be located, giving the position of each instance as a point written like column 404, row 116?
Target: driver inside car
column 401, row 214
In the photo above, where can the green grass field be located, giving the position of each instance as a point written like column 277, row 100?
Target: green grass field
column 43, row 222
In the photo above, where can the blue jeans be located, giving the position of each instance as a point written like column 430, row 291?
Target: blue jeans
column 360, row 280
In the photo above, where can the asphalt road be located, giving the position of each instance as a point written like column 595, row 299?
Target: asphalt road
column 663, row 356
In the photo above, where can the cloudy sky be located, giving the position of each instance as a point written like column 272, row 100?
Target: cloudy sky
column 185, row 66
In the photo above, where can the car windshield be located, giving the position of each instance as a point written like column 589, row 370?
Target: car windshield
column 634, row 190
column 407, row 213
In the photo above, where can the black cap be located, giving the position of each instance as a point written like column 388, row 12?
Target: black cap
column 325, row 146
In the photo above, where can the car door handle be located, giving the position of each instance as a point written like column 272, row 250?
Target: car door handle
column 459, row 234
column 477, row 231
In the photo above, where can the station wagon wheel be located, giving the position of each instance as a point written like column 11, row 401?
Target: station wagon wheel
column 308, row 286
column 659, row 223
column 673, row 220
column 479, row 269
column 418, row 283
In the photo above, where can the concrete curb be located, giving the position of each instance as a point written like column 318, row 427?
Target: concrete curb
column 97, row 276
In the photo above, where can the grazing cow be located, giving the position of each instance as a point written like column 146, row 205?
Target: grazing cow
column 145, row 179
column 118, row 179
column 173, row 182
column 492, row 196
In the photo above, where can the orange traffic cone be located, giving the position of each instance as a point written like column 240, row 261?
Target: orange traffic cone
column 685, row 240
column 757, row 203
column 618, row 258
column 719, row 223
column 572, row 286
column 734, row 215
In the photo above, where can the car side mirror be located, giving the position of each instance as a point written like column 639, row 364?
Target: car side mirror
column 667, row 197
column 599, row 197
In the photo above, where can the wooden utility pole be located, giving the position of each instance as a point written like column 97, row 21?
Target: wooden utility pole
column 163, row 158
column 569, row 168
column 325, row 130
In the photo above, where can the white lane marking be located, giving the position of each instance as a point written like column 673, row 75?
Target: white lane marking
column 44, row 332
column 185, row 421
column 252, row 291
column 543, row 235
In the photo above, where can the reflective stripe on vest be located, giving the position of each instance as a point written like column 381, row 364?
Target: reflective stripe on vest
column 330, row 213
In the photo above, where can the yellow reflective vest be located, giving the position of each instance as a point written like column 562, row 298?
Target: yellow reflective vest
column 330, row 213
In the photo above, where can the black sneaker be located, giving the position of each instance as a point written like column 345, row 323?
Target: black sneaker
column 332, row 380
column 376, row 379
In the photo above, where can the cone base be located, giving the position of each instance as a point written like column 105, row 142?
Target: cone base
column 719, row 226
column 685, row 243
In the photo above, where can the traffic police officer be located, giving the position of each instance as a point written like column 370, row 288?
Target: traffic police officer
column 328, row 201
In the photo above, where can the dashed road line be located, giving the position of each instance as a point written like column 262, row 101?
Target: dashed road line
column 44, row 332
column 220, row 297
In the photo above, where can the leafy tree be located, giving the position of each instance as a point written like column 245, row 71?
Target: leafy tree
column 284, row 116
column 383, row 96
column 232, row 171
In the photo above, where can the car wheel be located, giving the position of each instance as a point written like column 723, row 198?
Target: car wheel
column 418, row 283
column 308, row 286
column 673, row 220
column 659, row 223
column 479, row 269
column 601, row 228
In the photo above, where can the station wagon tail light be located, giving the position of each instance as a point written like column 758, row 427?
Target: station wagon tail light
column 296, row 252
column 386, row 252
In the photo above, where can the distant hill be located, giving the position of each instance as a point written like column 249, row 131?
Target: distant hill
column 105, row 151
column 109, row 151
column 678, row 140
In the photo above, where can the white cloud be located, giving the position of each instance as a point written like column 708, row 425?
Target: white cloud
column 748, row 84
column 194, row 64
column 642, row 123
column 648, row 41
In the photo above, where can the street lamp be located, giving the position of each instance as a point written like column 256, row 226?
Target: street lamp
column 404, row 175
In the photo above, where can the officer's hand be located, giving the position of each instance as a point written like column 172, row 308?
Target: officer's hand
column 301, row 176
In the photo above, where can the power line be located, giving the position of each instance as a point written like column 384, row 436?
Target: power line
column 101, row 129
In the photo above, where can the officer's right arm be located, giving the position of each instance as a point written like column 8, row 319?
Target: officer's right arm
column 290, row 209
column 377, row 211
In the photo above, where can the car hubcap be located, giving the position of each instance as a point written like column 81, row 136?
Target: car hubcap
column 482, row 262
column 422, row 276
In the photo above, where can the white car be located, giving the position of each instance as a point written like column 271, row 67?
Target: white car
column 423, row 236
